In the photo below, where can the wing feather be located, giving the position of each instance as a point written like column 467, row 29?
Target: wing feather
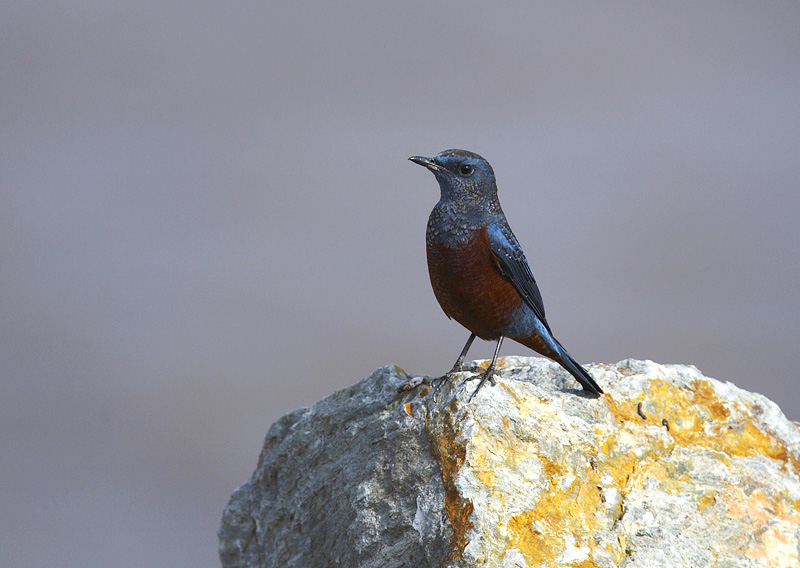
column 513, row 265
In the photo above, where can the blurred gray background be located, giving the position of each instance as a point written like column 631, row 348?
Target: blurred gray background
column 207, row 219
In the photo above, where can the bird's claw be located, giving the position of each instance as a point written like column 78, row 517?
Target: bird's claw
column 488, row 374
column 437, row 383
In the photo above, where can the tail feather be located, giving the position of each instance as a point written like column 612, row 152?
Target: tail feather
column 580, row 374
column 544, row 343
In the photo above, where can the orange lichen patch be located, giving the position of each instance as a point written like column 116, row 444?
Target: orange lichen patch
column 407, row 408
column 789, row 510
column 697, row 418
column 778, row 548
column 756, row 507
column 775, row 523
column 450, row 455
column 539, row 533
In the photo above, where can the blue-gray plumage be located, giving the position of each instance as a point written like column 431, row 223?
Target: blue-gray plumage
column 478, row 271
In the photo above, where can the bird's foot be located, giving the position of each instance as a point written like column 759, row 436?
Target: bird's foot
column 488, row 374
column 437, row 383
column 459, row 367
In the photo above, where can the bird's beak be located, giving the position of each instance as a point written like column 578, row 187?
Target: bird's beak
column 427, row 162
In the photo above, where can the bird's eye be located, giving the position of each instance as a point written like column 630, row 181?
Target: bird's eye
column 465, row 169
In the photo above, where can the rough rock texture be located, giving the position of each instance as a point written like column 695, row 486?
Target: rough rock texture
column 667, row 469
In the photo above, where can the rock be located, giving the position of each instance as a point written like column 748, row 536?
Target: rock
column 669, row 468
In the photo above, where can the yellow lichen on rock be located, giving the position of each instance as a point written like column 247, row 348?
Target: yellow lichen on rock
column 549, row 478
column 541, row 533
column 694, row 416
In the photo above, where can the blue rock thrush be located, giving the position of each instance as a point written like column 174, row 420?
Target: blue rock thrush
column 478, row 271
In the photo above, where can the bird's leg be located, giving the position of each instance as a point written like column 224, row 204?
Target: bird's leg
column 460, row 361
column 489, row 370
column 457, row 367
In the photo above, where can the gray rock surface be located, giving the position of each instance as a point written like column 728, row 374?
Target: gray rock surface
column 669, row 468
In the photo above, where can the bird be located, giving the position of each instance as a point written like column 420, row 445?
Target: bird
column 478, row 272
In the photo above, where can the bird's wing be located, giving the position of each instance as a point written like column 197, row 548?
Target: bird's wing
column 511, row 261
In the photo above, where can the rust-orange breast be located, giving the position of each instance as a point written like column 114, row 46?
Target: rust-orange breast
column 470, row 287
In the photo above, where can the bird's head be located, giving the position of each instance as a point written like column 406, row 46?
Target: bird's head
column 461, row 175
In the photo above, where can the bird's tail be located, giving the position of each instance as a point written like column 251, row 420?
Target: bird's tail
column 580, row 374
column 547, row 345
